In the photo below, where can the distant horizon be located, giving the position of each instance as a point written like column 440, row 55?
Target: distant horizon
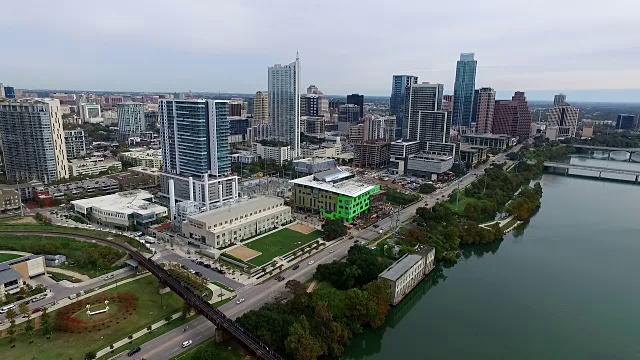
column 625, row 96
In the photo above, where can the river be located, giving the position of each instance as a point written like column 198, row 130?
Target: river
column 564, row 286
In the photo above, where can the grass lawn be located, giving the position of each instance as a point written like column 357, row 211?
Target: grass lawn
column 87, row 258
column 64, row 345
column 279, row 243
column 222, row 302
column 228, row 351
column 223, row 286
column 6, row 257
column 60, row 277
column 462, row 202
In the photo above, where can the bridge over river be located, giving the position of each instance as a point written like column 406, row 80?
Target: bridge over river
column 555, row 166
column 609, row 150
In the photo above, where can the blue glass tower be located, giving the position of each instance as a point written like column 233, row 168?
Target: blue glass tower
column 399, row 102
column 463, row 90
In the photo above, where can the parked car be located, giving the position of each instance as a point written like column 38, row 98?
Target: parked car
column 186, row 343
column 240, row 301
column 311, row 262
column 295, row 267
column 207, row 266
column 4, row 309
column 330, row 251
column 376, row 226
column 36, row 310
column 134, row 351
column 279, row 277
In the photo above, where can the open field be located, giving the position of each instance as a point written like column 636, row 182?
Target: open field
column 279, row 243
column 301, row 228
column 243, row 253
column 6, row 257
column 149, row 311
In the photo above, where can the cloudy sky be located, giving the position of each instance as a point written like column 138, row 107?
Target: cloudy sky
column 345, row 46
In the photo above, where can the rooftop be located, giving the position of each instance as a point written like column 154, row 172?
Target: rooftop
column 8, row 274
column 332, row 175
column 128, row 202
column 426, row 156
column 487, row 136
column 400, row 267
column 238, row 209
column 350, row 188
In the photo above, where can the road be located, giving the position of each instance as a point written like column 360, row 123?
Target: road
column 168, row 345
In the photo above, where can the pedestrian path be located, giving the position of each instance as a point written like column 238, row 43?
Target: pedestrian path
column 74, row 274
column 22, row 253
column 136, row 335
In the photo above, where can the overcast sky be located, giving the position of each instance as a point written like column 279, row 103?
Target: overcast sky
column 345, row 46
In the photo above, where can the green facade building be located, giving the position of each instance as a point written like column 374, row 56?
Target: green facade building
column 334, row 194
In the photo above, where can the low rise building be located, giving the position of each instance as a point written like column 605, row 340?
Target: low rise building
column 9, row 199
column 122, row 210
column 472, row 154
column 144, row 158
column 228, row 225
column 403, row 275
column 80, row 188
column 153, row 173
column 334, row 194
column 28, row 266
column 93, row 166
column 428, row 165
column 313, row 165
column 372, row 155
column 245, row 158
column 130, row 180
column 323, row 150
column 277, row 153
column 10, row 281
column 492, row 141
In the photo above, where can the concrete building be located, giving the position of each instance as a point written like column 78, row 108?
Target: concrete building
column 323, row 150
column 312, row 124
column 229, row 225
column 512, row 117
column 122, row 210
column 131, row 121
column 195, row 153
column 399, row 151
column 497, row 142
column 472, row 154
column 75, row 143
column 399, row 103
column 32, row 140
column 245, row 158
column 313, row 165
column 380, row 128
column 349, row 113
column 371, row 154
column 464, row 90
column 78, row 189
column 407, row 272
column 93, row 166
column 153, row 173
column 428, row 166
column 9, row 199
column 28, row 266
column 625, row 122
column 277, row 153
column 357, row 99
column 90, row 113
column 483, row 109
column 333, row 193
column 284, row 104
column 559, row 99
column 440, row 148
column 426, row 120
column 144, row 158
column 565, row 117
column 314, row 105
column 10, row 281
column 261, row 108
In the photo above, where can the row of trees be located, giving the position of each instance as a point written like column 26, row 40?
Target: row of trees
column 526, row 202
column 29, row 326
column 333, row 229
column 361, row 267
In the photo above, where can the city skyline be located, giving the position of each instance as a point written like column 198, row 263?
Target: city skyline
column 125, row 52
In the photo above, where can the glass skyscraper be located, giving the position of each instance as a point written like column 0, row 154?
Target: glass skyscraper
column 463, row 90
column 399, row 102
column 284, row 104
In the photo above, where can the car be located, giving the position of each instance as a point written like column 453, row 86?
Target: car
column 192, row 271
column 379, row 231
column 198, row 274
column 134, row 351
column 330, row 251
column 240, row 301
column 36, row 310
column 311, row 262
column 376, row 226
column 186, row 343
column 279, row 277
column 356, row 241
column 201, row 263
column 295, row 267
column 207, row 266
column 222, row 271
column 351, row 237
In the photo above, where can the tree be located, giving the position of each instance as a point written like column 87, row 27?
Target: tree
column 380, row 295
column 45, row 323
column 24, row 309
column 11, row 315
column 301, row 344
column 295, row 287
column 427, row 188
column 186, row 309
column 91, row 355
column 28, row 330
column 11, row 331
column 334, row 229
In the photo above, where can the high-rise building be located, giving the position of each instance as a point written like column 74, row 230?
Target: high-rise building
column 349, row 113
column 512, row 117
column 195, row 152
column 75, row 143
column 131, row 120
column 284, row 104
column 559, row 99
column 357, row 99
column 463, row 90
column 312, row 89
column 625, row 122
column 9, row 92
column 261, row 108
column 336, row 103
column 563, row 116
column 484, row 103
column 33, row 140
column 235, row 107
column 399, row 102
column 426, row 120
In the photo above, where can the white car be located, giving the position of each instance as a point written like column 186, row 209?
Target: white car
column 311, row 262
column 192, row 271
column 331, row 250
column 240, row 301
column 186, row 343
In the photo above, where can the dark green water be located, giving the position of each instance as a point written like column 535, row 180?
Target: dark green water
column 565, row 287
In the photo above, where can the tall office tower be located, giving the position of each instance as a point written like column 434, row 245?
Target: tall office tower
column 9, row 92
column 75, row 143
column 512, row 117
column 349, row 113
column 235, row 107
column 312, row 89
column 284, row 104
column 195, row 153
column 483, row 108
column 336, row 103
column 625, row 122
column 1, row 90
column 33, row 140
column 559, row 99
column 261, row 108
column 399, row 102
column 463, row 90
column 564, row 116
column 357, row 99
column 131, row 120
column 309, row 105
column 427, row 122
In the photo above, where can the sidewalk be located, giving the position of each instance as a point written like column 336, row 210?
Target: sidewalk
column 126, row 340
column 15, row 252
column 66, row 301
column 74, row 274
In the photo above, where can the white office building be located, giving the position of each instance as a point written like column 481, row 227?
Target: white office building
column 403, row 275
column 93, row 166
column 279, row 154
column 121, row 210
column 284, row 105
column 90, row 113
